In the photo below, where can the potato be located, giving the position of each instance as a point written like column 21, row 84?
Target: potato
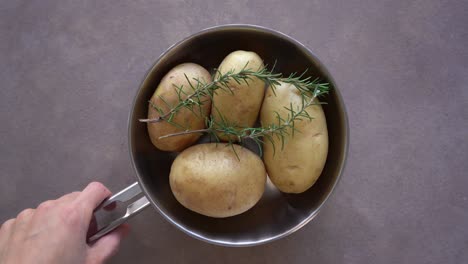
column 295, row 168
column 211, row 180
column 184, row 117
column 241, row 106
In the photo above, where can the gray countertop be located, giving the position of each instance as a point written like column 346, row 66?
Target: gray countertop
column 69, row 71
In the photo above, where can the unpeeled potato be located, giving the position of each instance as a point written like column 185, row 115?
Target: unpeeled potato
column 240, row 106
column 297, row 166
column 186, row 119
column 211, row 180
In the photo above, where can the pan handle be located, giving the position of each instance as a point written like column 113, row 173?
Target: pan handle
column 125, row 195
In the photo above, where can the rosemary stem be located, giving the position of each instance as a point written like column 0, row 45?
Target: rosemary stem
column 204, row 90
column 197, row 92
column 186, row 132
column 150, row 120
column 287, row 123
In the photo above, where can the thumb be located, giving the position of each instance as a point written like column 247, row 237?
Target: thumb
column 107, row 245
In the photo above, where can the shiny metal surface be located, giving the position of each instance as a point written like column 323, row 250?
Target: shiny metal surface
column 276, row 214
column 123, row 196
column 132, row 210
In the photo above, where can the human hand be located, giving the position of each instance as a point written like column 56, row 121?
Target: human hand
column 55, row 232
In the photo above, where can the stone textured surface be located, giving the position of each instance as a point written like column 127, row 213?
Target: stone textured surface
column 69, row 70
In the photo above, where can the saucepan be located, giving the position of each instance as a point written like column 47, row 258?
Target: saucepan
column 277, row 214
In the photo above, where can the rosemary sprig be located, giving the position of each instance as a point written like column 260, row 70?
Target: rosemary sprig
column 222, row 81
column 202, row 89
column 193, row 99
column 309, row 90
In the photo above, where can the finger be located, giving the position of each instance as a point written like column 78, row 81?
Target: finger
column 108, row 245
column 92, row 196
column 24, row 217
column 69, row 197
column 7, row 225
column 46, row 205
column 22, row 224
column 5, row 233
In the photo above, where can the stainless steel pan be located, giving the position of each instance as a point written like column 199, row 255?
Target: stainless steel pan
column 276, row 215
